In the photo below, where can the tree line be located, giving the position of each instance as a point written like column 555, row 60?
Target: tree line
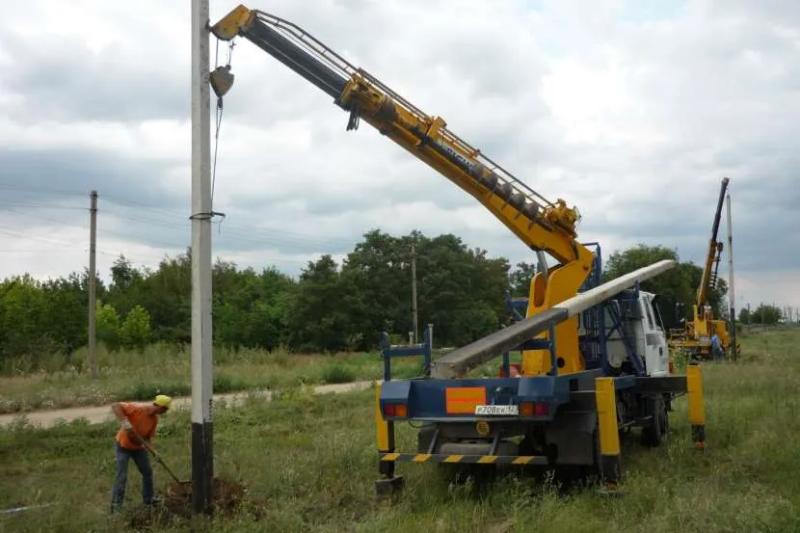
column 330, row 306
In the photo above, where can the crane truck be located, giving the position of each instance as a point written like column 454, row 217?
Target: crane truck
column 695, row 337
column 594, row 358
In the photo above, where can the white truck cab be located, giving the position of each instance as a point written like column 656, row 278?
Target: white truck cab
column 642, row 325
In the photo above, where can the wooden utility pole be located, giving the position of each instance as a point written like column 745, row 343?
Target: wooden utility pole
column 202, row 428
column 92, row 287
column 414, row 318
column 732, row 296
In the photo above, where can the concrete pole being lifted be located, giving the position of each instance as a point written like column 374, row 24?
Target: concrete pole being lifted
column 731, row 293
column 460, row 361
column 92, row 282
column 202, row 440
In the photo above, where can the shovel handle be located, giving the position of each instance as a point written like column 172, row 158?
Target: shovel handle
column 155, row 454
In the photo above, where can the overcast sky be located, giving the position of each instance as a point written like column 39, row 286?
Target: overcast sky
column 632, row 111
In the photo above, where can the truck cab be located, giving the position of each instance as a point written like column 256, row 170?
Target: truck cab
column 641, row 333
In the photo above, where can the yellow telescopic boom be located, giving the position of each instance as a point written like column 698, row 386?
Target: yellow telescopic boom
column 541, row 224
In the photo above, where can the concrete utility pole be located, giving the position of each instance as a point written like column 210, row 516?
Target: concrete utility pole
column 202, row 428
column 414, row 318
column 92, row 287
column 732, row 297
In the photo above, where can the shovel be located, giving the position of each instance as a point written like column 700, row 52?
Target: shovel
column 157, row 457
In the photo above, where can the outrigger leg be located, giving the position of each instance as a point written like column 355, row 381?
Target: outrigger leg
column 697, row 411
column 389, row 483
column 608, row 433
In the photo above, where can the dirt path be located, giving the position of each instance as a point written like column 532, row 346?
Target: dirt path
column 101, row 413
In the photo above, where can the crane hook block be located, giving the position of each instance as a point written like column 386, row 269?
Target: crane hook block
column 221, row 80
column 233, row 23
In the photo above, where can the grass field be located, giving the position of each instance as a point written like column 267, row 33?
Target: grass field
column 163, row 368
column 309, row 463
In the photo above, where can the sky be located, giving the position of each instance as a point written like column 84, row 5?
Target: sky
column 633, row 111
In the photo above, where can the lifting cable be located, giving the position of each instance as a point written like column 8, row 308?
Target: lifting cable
column 218, row 115
column 221, row 80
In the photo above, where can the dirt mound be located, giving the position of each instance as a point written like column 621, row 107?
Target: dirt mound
column 226, row 496
column 177, row 504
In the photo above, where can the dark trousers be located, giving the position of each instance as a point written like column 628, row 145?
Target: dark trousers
column 142, row 461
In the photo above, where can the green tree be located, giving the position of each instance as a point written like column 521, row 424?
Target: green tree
column 108, row 326
column 135, row 331
column 23, row 317
column 744, row 315
column 676, row 288
column 316, row 316
column 766, row 314
column 461, row 290
column 66, row 310
column 249, row 308
column 520, row 278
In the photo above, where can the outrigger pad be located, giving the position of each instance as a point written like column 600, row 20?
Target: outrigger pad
column 386, row 487
column 699, row 437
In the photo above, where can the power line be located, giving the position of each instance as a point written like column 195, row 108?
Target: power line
column 170, row 219
column 43, row 206
column 35, row 237
column 40, row 190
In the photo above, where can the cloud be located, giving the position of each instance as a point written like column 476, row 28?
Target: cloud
column 632, row 113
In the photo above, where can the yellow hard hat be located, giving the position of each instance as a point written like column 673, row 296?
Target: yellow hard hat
column 162, row 400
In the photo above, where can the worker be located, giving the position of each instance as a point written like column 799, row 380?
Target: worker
column 716, row 347
column 137, row 427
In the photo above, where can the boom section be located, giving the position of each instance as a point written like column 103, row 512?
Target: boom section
column 714, row 249
column 539, row 223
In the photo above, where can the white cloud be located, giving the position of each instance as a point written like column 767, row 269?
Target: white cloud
column 632, row 113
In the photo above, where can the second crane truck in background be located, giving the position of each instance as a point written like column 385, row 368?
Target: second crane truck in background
column 695, row 337
column 594, row 357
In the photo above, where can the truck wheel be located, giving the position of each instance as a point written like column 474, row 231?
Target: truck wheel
column 655, row 433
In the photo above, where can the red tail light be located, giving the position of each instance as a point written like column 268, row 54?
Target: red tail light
column 534, row 409
column 397, row 410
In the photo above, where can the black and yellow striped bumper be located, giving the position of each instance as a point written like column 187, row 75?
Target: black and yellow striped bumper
column 464, row 459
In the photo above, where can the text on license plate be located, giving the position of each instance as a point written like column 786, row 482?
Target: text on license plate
column 497, row 410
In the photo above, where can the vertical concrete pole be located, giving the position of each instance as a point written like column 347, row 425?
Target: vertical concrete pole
column 414, row 316
column 92, row 284
column 732, row 293
column 202, row 434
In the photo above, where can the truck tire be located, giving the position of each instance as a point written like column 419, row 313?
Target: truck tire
column 656, row 431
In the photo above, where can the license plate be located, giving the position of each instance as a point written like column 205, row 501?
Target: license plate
column 497, row 410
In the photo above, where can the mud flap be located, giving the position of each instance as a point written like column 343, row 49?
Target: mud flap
column 571, row 438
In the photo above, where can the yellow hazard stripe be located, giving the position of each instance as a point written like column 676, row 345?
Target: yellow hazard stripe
column 464, row 459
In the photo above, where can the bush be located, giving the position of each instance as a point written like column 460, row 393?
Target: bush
column 108, row 328
column 338, row 374
column 135, row 331
column 147, row 391
column 226, row 383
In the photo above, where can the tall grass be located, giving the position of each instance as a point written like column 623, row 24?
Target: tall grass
column 309, row 464
column 166, row 368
